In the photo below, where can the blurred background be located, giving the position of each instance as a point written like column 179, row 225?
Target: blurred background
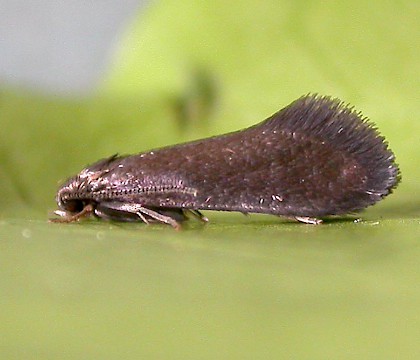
column 81, row 80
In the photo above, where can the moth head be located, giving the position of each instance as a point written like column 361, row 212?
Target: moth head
column 80, row 192
column 77, row 193
column 70, row 200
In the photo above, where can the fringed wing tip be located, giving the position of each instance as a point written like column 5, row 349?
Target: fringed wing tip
column 345, row 129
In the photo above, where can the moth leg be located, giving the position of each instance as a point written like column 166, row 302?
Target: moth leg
column 308, row 220
column 129, row 212
column 117, row 211
column 198, row 215
column 85, row 212
column 159, row 217
column 143, row 218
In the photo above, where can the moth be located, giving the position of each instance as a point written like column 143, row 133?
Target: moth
column 315, row 158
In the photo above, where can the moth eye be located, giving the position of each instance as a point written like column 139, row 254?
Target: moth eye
column 74, row 206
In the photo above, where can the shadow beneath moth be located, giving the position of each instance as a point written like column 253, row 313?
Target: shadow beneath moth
column 315, row 158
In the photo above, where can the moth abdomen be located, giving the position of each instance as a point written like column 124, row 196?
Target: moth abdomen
column 317, row 157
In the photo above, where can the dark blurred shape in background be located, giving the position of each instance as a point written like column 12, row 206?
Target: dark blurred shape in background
column 194, row 106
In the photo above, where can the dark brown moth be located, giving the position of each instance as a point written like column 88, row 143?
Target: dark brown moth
column 315, row 158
